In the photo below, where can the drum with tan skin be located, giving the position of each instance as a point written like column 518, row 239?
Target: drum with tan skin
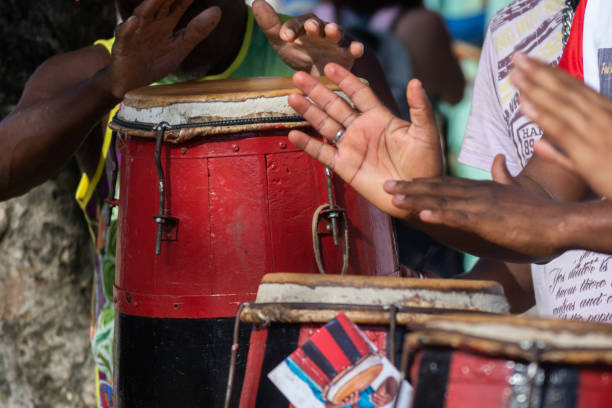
column 509, row 362
column 289, row 308
column 212, row 197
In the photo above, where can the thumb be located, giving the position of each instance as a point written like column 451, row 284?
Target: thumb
column 421, row 112
column 500, row 172
column 268, row 21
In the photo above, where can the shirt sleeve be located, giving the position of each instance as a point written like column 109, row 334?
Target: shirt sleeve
column 487, row 134
column 571, row 60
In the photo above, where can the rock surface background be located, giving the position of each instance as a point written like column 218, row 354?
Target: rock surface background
column 45, row 248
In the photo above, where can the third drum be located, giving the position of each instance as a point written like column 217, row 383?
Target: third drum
column 457, row 361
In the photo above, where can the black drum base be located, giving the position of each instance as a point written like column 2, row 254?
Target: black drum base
column 176, row 362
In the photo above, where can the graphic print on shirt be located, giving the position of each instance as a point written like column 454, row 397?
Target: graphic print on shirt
column 577, row 284
column 537, row 32
column 496, row 125
column 604, row 60
column 582, row 290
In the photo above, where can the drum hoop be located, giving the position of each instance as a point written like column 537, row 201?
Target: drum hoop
column 501, row 349
column 266, row 313
column 230, row 122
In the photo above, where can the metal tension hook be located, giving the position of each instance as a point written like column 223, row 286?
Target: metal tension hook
column 161, row 218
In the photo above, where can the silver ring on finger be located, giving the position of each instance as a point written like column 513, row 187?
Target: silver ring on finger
column 338, row 135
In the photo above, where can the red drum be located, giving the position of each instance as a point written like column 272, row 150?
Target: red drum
column 212, row 197
column 240, row 201
column 290, row 308
column 508, row 361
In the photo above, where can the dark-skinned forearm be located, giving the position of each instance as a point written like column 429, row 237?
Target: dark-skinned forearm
column 473, row 244
column 38, row 140
column 588, row 226
column 584, row 225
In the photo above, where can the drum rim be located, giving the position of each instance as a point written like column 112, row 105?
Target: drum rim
column 384, row 282
column 428, row 333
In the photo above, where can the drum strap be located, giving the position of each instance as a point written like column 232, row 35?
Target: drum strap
column 316, row 241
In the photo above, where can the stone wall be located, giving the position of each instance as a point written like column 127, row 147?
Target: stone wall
column 45, row 249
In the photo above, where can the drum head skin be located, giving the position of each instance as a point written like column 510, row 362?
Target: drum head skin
column 370, row 290
column 211, row 108
column 527, row 338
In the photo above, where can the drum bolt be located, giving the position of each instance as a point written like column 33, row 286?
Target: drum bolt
column 465, row 370
column 128, row 297
column 282, row 145
column 521, row 398
column 183, row 150
column 235, row 147
column 517, row 379
column 433, row 367
column 526, row 345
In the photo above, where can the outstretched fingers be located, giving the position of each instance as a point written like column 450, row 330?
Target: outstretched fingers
column 198, row 28
column 450, row 218
column 164, row 9
column 332, row 106
column 358, row 92
column 179, row 10
column 268, row 21
column 333, row 32
column 124, row 31
column 543, row 87
column 148, row 9
column 434, row 186
column 320, row 120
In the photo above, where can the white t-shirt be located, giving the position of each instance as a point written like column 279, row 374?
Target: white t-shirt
column 575, row 285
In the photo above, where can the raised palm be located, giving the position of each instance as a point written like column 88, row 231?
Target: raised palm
column 376, row 146
column 147, row 47
column 306, row 42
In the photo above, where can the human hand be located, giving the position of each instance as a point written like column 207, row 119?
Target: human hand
column 147, row 48
column 504, row 215
column 385, row 393
column 306, row 43
column 577, row 121
column 351, row 399
column 376, row 145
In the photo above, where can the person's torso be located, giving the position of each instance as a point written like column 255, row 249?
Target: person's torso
column 577, row 285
